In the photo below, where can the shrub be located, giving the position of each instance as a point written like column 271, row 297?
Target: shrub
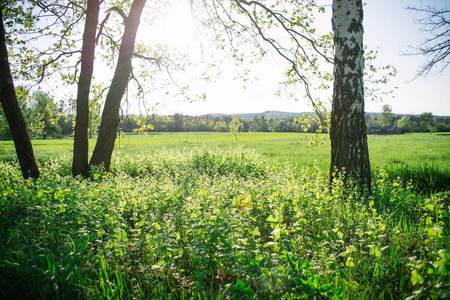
column 217, row 224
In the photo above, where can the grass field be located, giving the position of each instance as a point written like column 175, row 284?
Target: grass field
column 410, row 149
column 201, row 216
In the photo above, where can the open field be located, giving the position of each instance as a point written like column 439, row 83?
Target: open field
column 295, row 147
column 199, row 216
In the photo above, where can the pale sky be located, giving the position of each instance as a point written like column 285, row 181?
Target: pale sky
column 392, row 28
column 387, row 26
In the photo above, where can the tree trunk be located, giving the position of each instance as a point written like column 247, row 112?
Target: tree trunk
column 110, row 117
column 13, row 113
column 81, row 141
column 349, row 150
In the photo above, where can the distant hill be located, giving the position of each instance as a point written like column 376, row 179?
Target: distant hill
column 267, row 114
column 288, row 115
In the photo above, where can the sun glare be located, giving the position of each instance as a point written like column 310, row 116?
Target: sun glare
column 176, row 27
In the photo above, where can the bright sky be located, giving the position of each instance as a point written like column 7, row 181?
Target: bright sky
column 392, row 28
column 387, row 26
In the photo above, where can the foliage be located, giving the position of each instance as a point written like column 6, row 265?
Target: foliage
column 18, row 17
column 406, row 124
column 426, row 120
column 234, row 127
column 94, row 111
column 42, row 36
column 184, row 123
column 43, row 106
column 386, row 117
column 441, row 127
column 216, row 224
column 383, row 123
column 41, row 114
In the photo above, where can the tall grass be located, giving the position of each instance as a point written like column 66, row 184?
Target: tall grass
column 427, row 178
column 210, row 223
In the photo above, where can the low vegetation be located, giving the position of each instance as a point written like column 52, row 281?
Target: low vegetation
column 221, row 223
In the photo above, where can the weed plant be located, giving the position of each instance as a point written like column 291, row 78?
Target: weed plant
column 210, row 223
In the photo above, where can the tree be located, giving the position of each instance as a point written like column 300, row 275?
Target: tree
column 22, row 98
column 436, row 47
column 110, row 117
column 349, row 148
column 441, row 127
column 349, row 154
column 386, row 117
column 406, row 124
column 94, row 118
column 36, row 63
column 41, row 113
column 13, row 113
column 426, row 121
column 234, row 126
column 178, row 120
column 348, row 139
column 255, row 23
column 81, row 140
column 45, row 112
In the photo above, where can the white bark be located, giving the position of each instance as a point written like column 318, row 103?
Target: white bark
column 349, row 149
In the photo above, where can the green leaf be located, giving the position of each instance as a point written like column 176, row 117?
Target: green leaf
column 349, row 262
column 271, row 219
column 276, row 233
column 435, row 231
column 157, row 227
column 256, row 232
column 445, row 213
column 375, row 251
column 269, row 244
column 430, row 207
column 240, row 283
column 416, row 278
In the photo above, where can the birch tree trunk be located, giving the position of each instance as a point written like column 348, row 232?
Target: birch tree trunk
column 13, row 113
column 80, row 164
column 110, row 116
column 349, row 149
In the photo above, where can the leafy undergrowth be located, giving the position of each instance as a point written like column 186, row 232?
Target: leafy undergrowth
column 216, row 224
column 426, row 178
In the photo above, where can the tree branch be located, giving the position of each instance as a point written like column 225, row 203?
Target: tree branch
column 437, row 45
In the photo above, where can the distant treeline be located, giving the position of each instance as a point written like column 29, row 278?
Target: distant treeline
column 380, row 124
column 207, row 123
column 47, row 118
column 388, row 123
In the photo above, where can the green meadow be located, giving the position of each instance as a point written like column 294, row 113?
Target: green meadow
column 412, row 149
column 214, row 216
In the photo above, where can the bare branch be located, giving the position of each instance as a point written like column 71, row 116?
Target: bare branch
column 102, row 25
column 53, row 60
column 119, row 11
column 282, row 51
column 436, row 47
